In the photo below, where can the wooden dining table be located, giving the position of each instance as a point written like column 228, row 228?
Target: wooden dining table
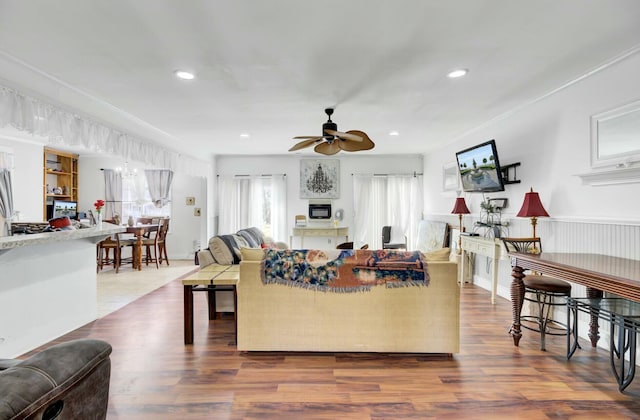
column 139, row 232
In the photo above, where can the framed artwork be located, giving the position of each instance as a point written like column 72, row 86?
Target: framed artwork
column 450, row 177
column 319, row 178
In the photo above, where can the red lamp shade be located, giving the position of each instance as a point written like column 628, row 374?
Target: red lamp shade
column 460, row 207
column 532, row 207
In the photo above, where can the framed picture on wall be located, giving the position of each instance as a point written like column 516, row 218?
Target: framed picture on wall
column 319, row 178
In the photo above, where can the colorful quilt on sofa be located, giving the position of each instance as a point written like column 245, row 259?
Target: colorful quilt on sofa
column 344, row 270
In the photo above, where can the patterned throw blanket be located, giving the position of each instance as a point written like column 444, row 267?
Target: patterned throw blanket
column 344, row 270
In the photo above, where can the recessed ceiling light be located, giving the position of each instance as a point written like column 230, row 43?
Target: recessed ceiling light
column 457, row 73
column 394, row 133
column 245, row 135
column 185, row 75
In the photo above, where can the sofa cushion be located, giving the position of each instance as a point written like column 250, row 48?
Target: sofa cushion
column 226, row 248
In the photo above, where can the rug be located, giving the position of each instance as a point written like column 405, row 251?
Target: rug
column 344, row 271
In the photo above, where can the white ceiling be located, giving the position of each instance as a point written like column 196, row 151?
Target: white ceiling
column 269, row 68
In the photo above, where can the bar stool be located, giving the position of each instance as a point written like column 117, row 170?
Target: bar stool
column 546, row 292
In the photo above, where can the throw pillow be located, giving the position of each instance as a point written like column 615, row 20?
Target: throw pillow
column 250, row 237
column 226, row 248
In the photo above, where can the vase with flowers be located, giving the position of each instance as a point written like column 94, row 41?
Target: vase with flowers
column 99, row 204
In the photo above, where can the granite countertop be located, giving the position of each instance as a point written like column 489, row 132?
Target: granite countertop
column 16, row 241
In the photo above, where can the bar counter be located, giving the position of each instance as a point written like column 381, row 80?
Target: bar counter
column 48, row 286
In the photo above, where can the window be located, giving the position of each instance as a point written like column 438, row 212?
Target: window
column 253, row 201
column 390, row 200
column 128, row 194
column 136, row 199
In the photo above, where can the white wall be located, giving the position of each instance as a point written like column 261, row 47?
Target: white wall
column 290, row 165
column 551, row 138
column 27, row 178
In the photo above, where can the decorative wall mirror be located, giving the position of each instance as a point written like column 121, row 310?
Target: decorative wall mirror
column 615, row 137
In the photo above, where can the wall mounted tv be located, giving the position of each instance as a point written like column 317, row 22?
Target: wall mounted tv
column 479, row 168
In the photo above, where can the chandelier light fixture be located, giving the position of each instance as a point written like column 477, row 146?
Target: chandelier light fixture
column 127, row 173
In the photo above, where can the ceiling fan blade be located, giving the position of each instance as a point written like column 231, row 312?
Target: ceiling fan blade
column 304, row 143
column 344, row 136
column 327, row 148
column 307, row 137
column 350, row 146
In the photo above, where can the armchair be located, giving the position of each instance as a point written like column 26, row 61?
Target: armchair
column 65, row 381
column 393, row 238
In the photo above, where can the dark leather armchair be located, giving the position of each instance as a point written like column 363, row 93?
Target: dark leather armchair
column 387, row 239
column 65, row 381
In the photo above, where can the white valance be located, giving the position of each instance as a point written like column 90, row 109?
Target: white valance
column 63, row 127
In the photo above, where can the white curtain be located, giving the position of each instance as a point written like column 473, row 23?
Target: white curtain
column 279, row 207
column 70, row 129
column 6, row 192
column 159, row 182
column 258, row 201
column 392, row 200
column 112, row 193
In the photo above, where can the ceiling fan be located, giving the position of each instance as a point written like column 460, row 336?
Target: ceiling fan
column 332, row 141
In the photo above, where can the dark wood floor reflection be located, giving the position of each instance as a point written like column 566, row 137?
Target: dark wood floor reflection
column 155, row 376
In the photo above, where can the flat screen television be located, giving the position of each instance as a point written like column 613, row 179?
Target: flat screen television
column 479, row 168
column 65, row 208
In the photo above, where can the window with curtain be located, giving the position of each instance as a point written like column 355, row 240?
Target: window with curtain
column 389, row 200
column 253, row 201
column 130, row 195
column 137, row 200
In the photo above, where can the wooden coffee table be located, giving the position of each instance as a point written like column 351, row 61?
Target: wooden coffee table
column 212, row 278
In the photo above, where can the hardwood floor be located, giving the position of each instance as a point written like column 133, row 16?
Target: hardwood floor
column 155, row 376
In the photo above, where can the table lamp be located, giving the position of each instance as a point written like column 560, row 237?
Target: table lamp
column 532, row 207
column 460, row 208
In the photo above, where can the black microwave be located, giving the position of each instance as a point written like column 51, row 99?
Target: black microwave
column 319, row 211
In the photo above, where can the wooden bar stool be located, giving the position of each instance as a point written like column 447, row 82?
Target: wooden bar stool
column 546, row 292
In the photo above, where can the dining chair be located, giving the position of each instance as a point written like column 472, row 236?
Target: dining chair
column 162, row 240
column 116, row 244
column 151, row 242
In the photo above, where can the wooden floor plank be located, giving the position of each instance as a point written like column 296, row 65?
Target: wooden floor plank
column 155, row 376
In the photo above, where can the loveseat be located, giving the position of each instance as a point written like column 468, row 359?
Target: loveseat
column 65, row 381
column 225, row 249
column 409, row 318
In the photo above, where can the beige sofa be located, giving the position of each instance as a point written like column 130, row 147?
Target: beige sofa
column 415, row 319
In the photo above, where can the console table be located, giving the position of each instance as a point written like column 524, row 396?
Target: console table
column 599, row 273
column 488, row 247
column 334, row 232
